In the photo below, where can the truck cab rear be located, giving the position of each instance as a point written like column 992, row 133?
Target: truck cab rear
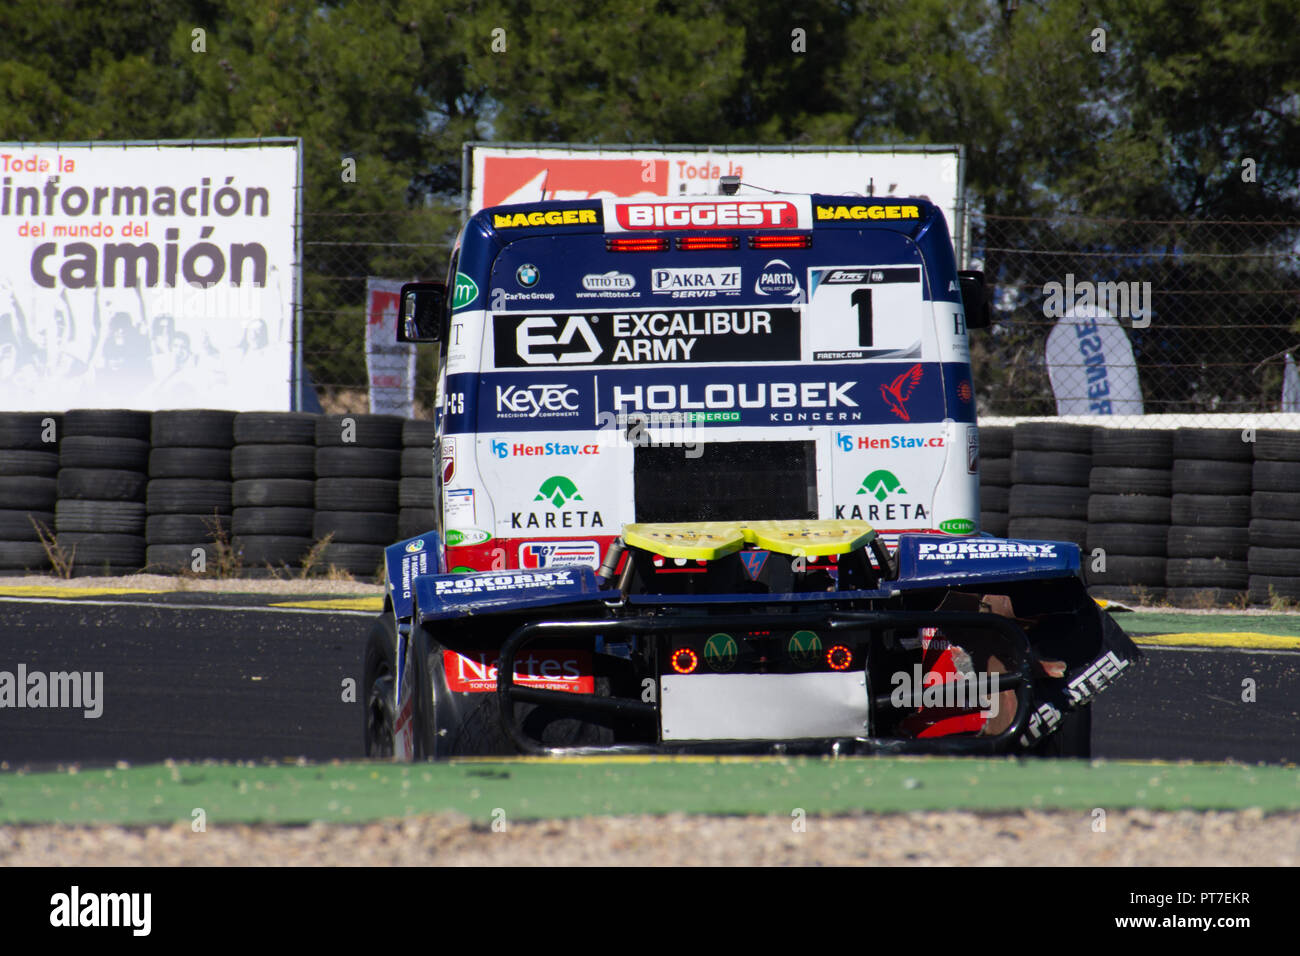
column 708, row 479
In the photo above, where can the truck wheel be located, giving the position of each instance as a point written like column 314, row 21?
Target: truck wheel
column 379, row 672
column 449, row 724
column 1072, row 739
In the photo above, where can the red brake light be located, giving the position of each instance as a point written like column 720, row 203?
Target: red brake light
column 839, row 657
column 637, row 244
column 696, row 243
column 684, row 660
column 780, row 242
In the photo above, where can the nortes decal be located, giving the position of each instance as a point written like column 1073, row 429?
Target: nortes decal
column 548, row 670
column 631, row 338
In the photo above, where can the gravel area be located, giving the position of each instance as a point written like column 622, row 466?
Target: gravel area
column 1131, row 838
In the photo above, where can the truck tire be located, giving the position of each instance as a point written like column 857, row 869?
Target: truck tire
column 273, row 461
column 1050, row 468
column 1068, row 502
column 996, row 441
column 378, row 682
column 1130, row 539
column 1265, row 588
column 1205, row 476
column 92, row 451
column 1276, row 505
column 275, row 428
column 355, row 527
column 184, row 529
column 1266, row 533
column 1133, row 448
column 417, row 463
column 1221, row 444
column 193, row 428
column 173, row 462
column 1206, row 573
column 420, row 433
column 100, row 517
column 1206, row 597
column 1053, row 436
column 273, row 493
column 1135, row 509
column 36, row 464
column 1215, row 511
column 188, row 496
column 1277, row 445
column 107, row 423
column 101, row 484
column 16, row 524
column 366, row 431
column 356, row 494
column 351, row 462
column 1130, row 481
column 23, row 556
column 993, row 471
column 290, row 522
column 1192, row 542
column 26, row 431
column 25, row 493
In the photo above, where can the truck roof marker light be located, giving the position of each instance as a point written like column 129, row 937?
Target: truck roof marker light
column 839, row 657
column 684, row 660
column 637, row 244
column 705, row 243
column 780, row 242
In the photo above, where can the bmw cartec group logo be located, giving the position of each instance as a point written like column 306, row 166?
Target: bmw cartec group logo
column 527, row 275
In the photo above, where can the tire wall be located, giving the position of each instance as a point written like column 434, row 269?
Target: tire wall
column 210, row 492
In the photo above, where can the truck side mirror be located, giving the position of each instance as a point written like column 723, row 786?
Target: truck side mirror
column 975, row 299
column 423, row 308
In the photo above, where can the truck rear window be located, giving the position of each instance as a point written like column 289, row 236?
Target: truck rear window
column 729, row 481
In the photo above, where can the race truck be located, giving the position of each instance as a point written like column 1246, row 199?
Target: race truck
column 707, row 475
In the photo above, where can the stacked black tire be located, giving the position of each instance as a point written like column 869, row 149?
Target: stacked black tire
column 189, row 490
column 1209, row 518
column 103, row 478
column 273, row 465
column 1128, row 513
column 415, row 496
column 1273, row 561
column 358, row 472
column 29, row 468
column 995, row 479
column 1049, row 481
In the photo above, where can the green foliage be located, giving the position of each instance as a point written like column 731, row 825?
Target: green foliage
column 1155, row 126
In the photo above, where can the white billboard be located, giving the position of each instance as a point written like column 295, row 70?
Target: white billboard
column 528, row 173
column 147, row 276
column 390, row 364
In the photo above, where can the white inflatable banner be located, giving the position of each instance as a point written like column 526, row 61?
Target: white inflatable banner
column 147, row 277
column 390, row 365
column 1090, row 364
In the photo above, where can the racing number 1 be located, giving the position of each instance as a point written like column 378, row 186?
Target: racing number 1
column 861, row 300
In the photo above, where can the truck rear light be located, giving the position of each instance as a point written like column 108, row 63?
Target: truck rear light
column 684, row 660
column 780, row 242
column 839, row 657
column 699, row 243
column 637, row 244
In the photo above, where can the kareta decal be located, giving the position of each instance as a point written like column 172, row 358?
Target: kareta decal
column 881, row 484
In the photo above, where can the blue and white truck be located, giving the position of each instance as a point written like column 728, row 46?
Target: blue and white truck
column 707, row 480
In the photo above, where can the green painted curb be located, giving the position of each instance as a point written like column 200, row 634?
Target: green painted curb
column 532, row 789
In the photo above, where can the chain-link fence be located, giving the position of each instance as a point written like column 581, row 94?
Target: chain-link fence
column 1213, row 308
column 340, row 250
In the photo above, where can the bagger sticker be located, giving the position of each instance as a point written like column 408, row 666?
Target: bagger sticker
column 647, row 337
column 559, row 554
column 929, row 551
column 707, row 214
column 863, row 211
column 546, row 217
column 496, row 583
column 546, row 670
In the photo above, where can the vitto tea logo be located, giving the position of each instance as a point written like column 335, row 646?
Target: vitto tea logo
column 463, row 292
column 558, row 490
column 881, row 484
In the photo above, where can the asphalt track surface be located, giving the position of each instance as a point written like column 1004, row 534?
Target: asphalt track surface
column 195, row 676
